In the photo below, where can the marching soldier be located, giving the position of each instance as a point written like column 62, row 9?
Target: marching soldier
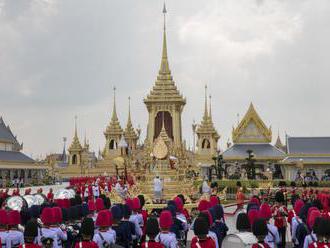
column 87, row 233
column 260, row 230
column 166, row 237
column 152, row 230
column 15, row 237
column 105, row 236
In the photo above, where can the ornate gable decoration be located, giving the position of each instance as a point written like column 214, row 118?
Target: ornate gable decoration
column 252, row 129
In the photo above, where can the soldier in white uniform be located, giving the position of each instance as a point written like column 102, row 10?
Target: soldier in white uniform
column 47, row 218
column 3, row 227
column 15, row 237
column 105, row 235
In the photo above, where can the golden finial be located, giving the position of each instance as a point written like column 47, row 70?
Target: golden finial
column 205, row 104
column 75, row 125
column 210, row 111
column 129, row 121
column 114, row 111
column 164, row 67
column 164, row 12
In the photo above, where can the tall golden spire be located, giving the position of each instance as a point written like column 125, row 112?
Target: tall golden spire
column 164, row 88
column 164, row 66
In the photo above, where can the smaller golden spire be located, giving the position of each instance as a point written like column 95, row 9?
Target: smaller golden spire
column 114, row 127
column 75, row 145
column 129, row 132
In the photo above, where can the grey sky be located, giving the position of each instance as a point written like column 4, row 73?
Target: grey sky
column 61, row 58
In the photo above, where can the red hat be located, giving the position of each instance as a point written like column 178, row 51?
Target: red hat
column 57, row 212
column 178, row 203
column 203, row 205
column 91, row 205
column 14, row 218
column 3, row 217
column 253, row 215
column 99, row 204
column 66, row 203
column 265, row 211
column 214, row 200
column 209, row 216
column 310, row 210
column 165, row 219
column 103, row 219
column 136, row 204
column 47, row 216
column 312, row 217
column 129, row 202
column 298, row 205
column 255, row 200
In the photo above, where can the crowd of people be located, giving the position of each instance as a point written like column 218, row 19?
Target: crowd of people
column 94, row 221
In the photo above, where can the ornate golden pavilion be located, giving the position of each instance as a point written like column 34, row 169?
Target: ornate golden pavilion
column 122, row 154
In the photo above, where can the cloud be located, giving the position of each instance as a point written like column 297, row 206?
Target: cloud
column 60, row 58
column 241, row 30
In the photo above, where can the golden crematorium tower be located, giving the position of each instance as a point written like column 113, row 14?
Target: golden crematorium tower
column 165, row 103
column 163, row 143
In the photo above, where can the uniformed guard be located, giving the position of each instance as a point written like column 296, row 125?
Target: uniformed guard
column 166, row 237
column 57, row 227
column 30, row 234
column 260, row 230
column 273, row 238
column 46, row 232
column 126, row 224
column 280, row 212
column 201, row 230
column 15, row 237
column 184, row 210
column 123, row 237
column 3, row 227
column 207, row 215
column 137, row 219
column 92, row 209
column 87, row 233
column 105, row 236
column 219, row 226
column 243, row 223
column 152, row 230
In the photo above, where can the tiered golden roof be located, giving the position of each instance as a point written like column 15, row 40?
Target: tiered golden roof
column 114, row 128
column 75, row 145
column 164, row 89
column 207, row 126
column 252, row 129
column 130, row 133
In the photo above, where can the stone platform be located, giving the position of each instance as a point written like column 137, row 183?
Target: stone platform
column 174, row 181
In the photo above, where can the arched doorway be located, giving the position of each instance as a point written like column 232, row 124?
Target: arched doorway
column 168, row 123
column 112, row 145
column 74, row 159
column 206, row 144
